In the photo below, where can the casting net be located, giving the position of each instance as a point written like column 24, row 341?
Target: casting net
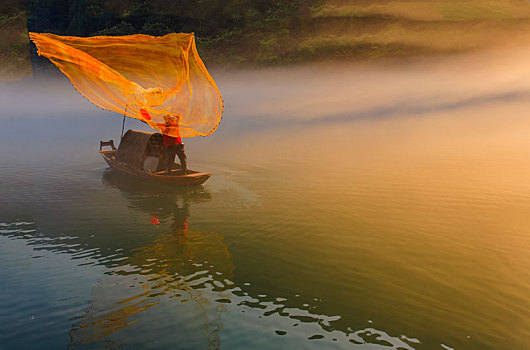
column 152, row 78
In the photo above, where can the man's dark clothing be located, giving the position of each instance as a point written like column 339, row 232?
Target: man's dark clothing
column 176, row 149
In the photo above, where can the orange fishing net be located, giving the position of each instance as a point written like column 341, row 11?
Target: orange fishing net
column 149, row 77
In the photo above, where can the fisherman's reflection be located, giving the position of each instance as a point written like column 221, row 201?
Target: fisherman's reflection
column 179, row 215
column 161, row 201
column 180, row 276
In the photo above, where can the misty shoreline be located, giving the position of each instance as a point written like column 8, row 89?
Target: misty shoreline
column 321, row 93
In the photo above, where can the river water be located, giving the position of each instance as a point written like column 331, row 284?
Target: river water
column 364, row 207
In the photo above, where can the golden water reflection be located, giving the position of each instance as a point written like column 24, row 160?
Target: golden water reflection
column 183, row 272
column 421, row 219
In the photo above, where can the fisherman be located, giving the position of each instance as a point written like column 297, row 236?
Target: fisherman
column 174, row 144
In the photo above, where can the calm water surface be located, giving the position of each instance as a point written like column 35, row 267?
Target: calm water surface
column 370, row 208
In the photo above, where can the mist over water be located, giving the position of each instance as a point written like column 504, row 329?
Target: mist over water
column 370, row 206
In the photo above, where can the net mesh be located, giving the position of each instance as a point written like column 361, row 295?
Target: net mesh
column 152, row 78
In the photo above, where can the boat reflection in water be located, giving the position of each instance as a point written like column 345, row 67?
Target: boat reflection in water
column 173, row 289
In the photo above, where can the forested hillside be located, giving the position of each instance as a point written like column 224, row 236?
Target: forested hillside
column 14, row 44
column 227, row 31
column 235, row 33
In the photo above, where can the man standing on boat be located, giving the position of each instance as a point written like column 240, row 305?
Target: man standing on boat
column 174, row 144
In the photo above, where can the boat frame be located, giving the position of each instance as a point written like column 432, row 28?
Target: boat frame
column 176, row 176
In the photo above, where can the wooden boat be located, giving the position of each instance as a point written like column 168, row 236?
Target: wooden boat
column 144, row 155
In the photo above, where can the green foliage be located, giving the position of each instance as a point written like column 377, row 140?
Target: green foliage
column 249, row 30
column 276, row 48
column 79, row 22
column 141, row 8
column 269, row 32
column 7, row 21
column 10, row 7
column 14, row 45
column 157, row 26
column 122, row 28
column 242, row 31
